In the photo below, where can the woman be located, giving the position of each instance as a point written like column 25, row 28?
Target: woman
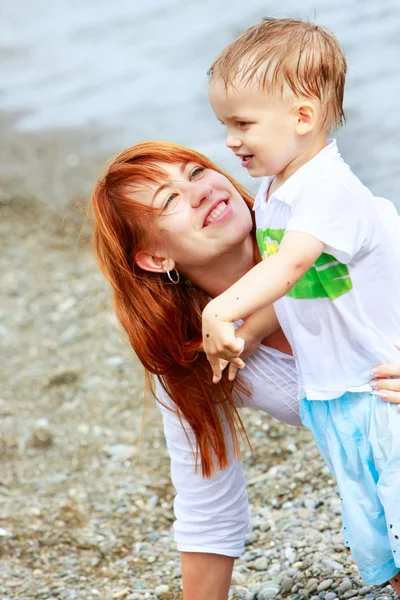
column 172, row 230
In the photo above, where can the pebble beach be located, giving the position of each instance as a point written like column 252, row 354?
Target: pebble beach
column 86, row 502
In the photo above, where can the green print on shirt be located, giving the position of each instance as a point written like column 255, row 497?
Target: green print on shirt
column 327, row 278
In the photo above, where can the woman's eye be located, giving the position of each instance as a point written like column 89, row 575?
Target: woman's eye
column 242, row 123
column 197, row 171
column 169, row 200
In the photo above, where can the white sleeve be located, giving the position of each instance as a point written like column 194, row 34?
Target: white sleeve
column 211, row 514
column 330, row 213
column 387, row 213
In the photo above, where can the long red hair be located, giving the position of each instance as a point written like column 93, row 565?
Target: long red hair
column 163, row 320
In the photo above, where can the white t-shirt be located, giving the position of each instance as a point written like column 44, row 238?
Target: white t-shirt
column 344, row 313
column 212, row 514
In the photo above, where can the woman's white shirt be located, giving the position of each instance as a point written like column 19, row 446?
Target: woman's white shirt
column 212, row 514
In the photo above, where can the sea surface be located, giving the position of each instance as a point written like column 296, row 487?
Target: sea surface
column 136, row 70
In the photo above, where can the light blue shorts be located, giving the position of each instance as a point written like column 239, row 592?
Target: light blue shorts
column 358, row 436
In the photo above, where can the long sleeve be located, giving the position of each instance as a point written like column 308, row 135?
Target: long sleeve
column 211, row 514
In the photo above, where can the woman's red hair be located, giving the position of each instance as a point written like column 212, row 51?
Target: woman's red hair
column 163, row 320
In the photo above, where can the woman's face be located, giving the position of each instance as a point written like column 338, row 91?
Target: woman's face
column 201, row 216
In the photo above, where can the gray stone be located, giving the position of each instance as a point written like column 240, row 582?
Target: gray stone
column 324, row 585
column 268, row 592
column 346, row 585
column 251, row 538
column 121, row 452
column 350, row 594
column 331, row 596
column 287, row 584
column 260, row 564
column 332, row 564
column 238, row 578
column 364, row 590
column 161, row 590
column 312, row 585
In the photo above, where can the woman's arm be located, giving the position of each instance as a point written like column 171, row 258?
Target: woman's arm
column 387, row 381
column 206, row 576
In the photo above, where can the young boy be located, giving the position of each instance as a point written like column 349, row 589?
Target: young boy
column 330, row 271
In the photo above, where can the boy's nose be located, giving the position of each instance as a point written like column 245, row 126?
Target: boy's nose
column 232, row 141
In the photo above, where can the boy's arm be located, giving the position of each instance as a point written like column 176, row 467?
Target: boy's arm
column 264, row 284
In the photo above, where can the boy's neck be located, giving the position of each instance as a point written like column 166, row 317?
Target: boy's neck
column 317, row 144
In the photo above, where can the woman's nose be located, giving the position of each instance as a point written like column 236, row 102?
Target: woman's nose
column 199, row 195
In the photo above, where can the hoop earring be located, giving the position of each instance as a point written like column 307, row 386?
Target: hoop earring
column 178, row 277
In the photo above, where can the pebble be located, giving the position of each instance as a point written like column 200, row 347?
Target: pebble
column 324, row 585
column 268, row 592
column 345, row 585
column 331, row 596
column 350, row 594
column 161, row 590
column 260, row 564
column 364, row 590
column 287, row 584
column 312, row 585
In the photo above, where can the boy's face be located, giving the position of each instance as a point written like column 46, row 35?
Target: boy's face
column 261, row 126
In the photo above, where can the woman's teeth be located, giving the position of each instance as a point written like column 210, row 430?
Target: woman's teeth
column 218, row 210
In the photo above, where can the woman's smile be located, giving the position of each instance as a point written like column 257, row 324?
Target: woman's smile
column 219, row 211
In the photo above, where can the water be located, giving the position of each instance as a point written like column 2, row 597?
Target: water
column 136, row 69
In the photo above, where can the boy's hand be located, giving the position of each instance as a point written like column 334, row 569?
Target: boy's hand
column 220, row 342
column 250, row 346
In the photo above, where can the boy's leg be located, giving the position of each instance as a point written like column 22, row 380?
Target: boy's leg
column 396, row 583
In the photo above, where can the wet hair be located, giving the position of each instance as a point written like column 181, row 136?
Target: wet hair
column 288, row 52
column 163, row 320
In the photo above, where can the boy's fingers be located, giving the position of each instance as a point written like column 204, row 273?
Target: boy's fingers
column 232, row 372
column 237, row 362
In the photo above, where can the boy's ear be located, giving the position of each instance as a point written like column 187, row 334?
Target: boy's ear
column 306, row 116
column 153, row 263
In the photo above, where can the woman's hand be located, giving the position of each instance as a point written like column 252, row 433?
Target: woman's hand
column 387, row 381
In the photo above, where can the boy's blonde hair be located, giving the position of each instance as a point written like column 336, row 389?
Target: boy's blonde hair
column 302, row 55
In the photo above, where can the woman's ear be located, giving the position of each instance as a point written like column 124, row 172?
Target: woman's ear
column 153, row 263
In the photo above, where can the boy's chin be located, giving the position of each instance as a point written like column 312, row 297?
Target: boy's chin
column 256, row 171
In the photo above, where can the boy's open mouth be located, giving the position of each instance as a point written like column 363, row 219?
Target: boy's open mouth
column 246, row 160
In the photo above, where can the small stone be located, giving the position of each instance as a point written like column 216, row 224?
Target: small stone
column 238, row 578
column 324, row 585
column 42, row 435
column 331, row 596
column 350, row 594
column 364, row 590
column 346, row 585
column 268, row 592
column 332, row 564
column 260, row 564
column 121, row 593
column 5, row 533
column 287, row 584
column 312, row 585
column 161, row 590
column 121, row 452
column 251, row 538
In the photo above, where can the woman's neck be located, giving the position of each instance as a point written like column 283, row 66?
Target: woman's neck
column 226, row 269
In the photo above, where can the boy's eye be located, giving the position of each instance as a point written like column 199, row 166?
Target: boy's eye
column 242, row 123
